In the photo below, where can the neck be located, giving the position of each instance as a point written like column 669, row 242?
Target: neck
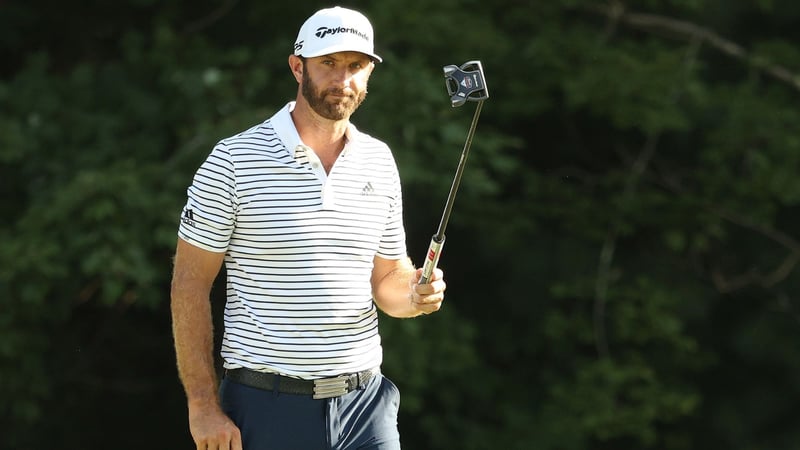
column 325, row 136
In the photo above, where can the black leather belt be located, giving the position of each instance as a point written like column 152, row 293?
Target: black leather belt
column 320, row 388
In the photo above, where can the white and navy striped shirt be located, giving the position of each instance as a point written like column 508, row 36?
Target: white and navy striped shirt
column 299, row 246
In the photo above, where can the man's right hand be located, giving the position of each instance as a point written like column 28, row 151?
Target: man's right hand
column 212, row 429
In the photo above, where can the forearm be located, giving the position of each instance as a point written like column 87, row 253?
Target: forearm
column 393, row 292
column 194, row 342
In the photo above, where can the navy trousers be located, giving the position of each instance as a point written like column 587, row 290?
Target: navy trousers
column 365, row 418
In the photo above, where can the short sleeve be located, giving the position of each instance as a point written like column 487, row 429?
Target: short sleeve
column 393, row 241
column 209, row 216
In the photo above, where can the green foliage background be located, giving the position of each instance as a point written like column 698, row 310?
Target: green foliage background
column 621, row 262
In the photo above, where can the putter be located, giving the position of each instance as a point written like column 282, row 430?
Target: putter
column 465, row 83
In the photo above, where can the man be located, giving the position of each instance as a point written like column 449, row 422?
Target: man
column 306, row 213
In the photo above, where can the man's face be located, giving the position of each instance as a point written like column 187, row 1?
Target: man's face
column 335, row 85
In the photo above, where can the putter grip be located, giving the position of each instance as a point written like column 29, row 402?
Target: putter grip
column 431, row 259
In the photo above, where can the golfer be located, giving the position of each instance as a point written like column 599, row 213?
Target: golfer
column 306, row 213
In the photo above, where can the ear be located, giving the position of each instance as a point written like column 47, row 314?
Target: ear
column 296, row 64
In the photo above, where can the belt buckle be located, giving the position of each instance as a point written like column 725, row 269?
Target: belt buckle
column 330, row 387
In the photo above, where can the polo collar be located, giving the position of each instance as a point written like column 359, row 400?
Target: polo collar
column 284, row 127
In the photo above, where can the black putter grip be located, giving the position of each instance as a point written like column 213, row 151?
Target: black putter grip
column 431, row 259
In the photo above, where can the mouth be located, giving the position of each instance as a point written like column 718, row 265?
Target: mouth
column 338, row 94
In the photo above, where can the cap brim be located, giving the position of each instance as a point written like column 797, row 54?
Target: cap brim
column 337, row 49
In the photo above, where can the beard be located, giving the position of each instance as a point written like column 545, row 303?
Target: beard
column 337, row 108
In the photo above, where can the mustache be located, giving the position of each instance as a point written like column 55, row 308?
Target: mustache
column 340, row 92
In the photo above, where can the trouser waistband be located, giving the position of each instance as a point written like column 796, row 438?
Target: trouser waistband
column 319, row 388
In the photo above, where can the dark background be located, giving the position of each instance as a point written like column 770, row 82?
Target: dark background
column 621, row 261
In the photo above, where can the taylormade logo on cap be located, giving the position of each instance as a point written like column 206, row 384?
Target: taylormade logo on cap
column 333, row 30
column 324, row 31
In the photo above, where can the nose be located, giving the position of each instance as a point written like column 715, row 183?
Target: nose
column 342, row 76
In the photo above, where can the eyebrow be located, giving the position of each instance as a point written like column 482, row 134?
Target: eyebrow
column 360, row 58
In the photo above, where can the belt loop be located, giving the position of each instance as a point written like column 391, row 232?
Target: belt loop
column 276, row 384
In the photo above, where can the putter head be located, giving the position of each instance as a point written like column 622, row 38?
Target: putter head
column 465, row 83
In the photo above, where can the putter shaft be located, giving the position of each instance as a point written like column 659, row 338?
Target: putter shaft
column 437, row 241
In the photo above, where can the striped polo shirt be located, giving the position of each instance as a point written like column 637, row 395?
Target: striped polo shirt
column 299, row 246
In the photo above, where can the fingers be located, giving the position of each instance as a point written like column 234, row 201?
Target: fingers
column 437, row 274
column 434, row 286
column 215, row 432
column 427, row 298
column 232, row 441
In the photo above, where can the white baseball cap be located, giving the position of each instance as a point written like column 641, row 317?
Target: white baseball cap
column 334, row 30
